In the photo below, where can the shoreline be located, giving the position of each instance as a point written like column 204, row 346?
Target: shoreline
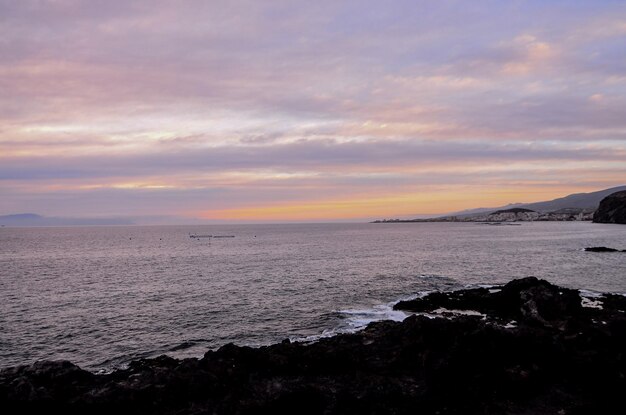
column 530, row 347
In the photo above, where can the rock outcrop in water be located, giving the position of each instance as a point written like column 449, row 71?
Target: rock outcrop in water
column 612, row 209
column 528, row 301
column 603, row 249
column 540, row 349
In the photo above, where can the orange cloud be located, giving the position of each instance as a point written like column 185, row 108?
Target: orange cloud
column 439, row 201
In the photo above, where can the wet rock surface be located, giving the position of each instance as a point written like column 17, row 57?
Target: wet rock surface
column 528, row 300
column 558, row 357
column 612, row 209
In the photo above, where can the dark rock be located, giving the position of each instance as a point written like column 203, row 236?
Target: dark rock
column 602, row 249
column 612, row 209
column 560, row 358
column 528, row 299
column 614, row 303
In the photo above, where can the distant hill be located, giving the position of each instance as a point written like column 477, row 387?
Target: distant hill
column 576, row 200
column 514, row 210
column 484, row 210
column 32, row 219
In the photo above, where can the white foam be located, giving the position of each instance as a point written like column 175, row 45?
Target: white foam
column 316, row 337
column 482, row 286
column 358, row 319
column 510, row 325
column 493, row 288
column 419, row 294
column 589, row 294
column 589, row 303
column 459, row 312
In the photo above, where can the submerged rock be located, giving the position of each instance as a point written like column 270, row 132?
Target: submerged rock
column 559, row 357
column 612, row 209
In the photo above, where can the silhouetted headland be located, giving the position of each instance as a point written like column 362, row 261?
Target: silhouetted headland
column 612, row 209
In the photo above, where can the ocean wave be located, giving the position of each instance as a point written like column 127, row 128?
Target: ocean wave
column 356, row 319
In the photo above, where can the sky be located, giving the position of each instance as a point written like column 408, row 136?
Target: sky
column 258, row 111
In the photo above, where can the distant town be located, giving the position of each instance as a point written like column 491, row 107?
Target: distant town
column 510, row 215
column 574, row 207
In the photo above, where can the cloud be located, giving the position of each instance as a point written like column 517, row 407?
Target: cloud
column 140, row 96
column 316, row 155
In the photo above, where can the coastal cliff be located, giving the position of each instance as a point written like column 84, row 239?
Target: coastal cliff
column 612, row 209
column 528, row 347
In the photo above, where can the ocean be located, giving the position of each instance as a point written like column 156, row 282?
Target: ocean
column 104, row 296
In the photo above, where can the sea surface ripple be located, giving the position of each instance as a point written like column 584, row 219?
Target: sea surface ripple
column 103, row 296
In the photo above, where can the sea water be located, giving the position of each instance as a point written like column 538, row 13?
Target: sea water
column 104, row 296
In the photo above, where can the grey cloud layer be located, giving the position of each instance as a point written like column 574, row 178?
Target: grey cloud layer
column 106, row 90
column 320, row 59
column 311, row 155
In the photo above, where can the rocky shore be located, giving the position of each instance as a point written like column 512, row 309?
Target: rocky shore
column 528, row 347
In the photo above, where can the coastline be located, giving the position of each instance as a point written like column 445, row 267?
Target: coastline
column 531, row 347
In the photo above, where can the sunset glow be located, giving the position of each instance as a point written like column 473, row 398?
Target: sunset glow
column 307, row 111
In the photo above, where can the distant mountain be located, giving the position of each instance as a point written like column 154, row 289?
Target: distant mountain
column 32, row 219
column 22, row 217
column 576, row 200
column 478, row 211
column 514, row 210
